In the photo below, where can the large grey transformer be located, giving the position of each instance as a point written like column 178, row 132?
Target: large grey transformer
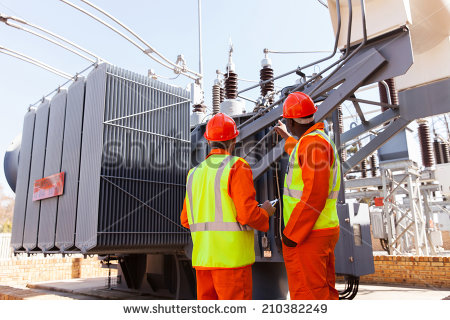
column 121, row 140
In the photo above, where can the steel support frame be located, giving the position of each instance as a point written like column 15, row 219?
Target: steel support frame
column 406, row 229
column 348, row 81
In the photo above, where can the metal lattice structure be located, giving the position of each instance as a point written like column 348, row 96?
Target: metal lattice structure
column 405, row 225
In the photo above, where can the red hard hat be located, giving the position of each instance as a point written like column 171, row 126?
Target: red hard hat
column 221, row 128
column 298, row 105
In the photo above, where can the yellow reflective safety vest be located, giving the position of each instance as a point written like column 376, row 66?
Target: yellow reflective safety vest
column 293, row 186
column 219, row 240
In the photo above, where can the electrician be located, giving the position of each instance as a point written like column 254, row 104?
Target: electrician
column 220, row 210
column 311, row 188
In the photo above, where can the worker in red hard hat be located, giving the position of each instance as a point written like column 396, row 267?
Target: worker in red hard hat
column 221, row 212
column 311, row 188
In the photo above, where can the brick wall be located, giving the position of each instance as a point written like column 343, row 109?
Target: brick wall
column 22, row 271
column 418, row 271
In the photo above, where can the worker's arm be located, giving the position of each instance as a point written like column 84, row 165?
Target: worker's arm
column 183, row 216
column 289, row 145
column 242, row 191
column 315, row 158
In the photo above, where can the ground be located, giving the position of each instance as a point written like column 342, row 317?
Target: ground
column 95, row 288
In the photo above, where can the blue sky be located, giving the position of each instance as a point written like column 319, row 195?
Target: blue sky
column 171, row 27
column 168, row 25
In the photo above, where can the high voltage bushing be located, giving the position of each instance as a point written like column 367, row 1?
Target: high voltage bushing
column 364, row 168
column 343, row 151
column 231, row 85
column 266, row 73
column 199, row 108
column 392, row 90
column 393, row 94
column 438, row 152
column 445, row 152
column 373, row 165
column 216, row 98
column 222, row 94
column 425, row 143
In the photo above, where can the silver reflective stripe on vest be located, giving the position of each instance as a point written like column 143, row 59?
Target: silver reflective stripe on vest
column 292, row 193
column 297, row 194
column 335, row 166
column 333, row 194
column 290, row 169
column 218, row 226
column 189, row 192
column 217, row 192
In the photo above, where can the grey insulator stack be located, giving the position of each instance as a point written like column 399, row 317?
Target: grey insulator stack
column 222, row 94
column 445, row 152
column 364, row 168
column 216, row 98
column 373, row 165
column 199, row 108
column 425, row 144
column 343, row 151
column 392, row 92
column 266, row 73
column 231, row 85
column 438, row 152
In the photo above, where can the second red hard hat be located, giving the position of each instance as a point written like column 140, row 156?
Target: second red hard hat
column 298, row 105
column 221, row 128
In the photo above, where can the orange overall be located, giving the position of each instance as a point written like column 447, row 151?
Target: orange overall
column 310, row 264
column 232, row 283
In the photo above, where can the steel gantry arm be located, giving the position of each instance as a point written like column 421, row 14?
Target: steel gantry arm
column 377, row 61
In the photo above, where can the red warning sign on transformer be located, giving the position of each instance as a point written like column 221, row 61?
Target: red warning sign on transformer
column 48, row 187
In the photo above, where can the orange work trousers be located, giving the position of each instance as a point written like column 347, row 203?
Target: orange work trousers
column 310, row 266
column 225, row 284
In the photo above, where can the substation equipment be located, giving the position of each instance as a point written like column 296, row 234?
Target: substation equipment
column 122, row 143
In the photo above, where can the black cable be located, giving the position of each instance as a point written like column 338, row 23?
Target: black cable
column 351, row 289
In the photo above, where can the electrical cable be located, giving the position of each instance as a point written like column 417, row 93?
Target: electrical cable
column 144, row 50
column 49, row 40
column 322, row 3
column 153, row 50
column 295, row 52
column 343, row 59
column 5, row 19
column 338, row 31
column 175, row 67
column 35, row 62
column 55, row 90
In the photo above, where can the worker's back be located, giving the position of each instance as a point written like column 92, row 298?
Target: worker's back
column 219, row 240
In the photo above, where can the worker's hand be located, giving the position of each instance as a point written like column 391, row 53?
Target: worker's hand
column 282, row 130
column 288, row 242
column 268, row 207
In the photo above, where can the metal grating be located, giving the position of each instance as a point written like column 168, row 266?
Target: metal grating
column 134, row 161
column 53, row 155
column 146, row 148
column 30, row 232
column 67, row 205
column 23, row 176
column 91, row 157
